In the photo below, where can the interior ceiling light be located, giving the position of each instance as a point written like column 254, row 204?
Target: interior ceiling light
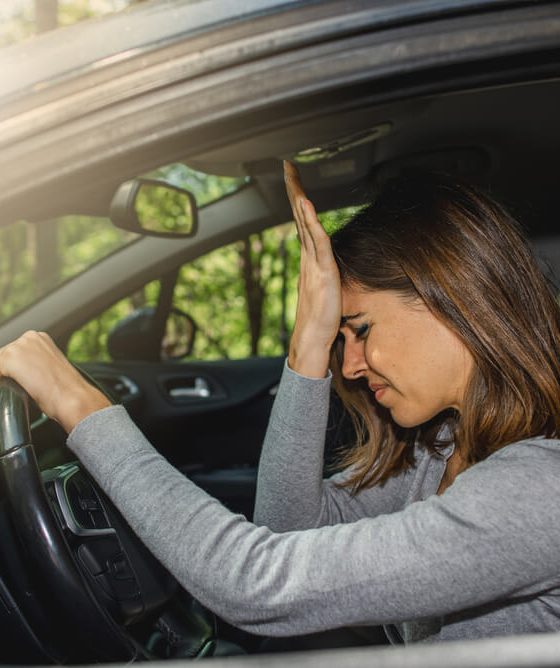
column 337, row 146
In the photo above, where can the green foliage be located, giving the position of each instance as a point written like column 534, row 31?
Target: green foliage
column 90, row 342
column 21, row 22
column 206, row 188
column 84, row 240
column 163, row 209
column 72, row 11
column 16, row 270
column 333, row 220
column 236, row 293
column 78, row 242
column 208, row 276
column 211, row 289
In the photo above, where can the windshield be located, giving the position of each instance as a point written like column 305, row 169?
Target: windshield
column 36, row 258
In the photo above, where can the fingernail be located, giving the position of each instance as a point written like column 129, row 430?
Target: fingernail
column 302, row 205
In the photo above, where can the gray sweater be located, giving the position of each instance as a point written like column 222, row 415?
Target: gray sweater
column 482, row 559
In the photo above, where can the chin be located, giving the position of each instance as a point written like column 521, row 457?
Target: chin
column 407, row 423
column 410, row 420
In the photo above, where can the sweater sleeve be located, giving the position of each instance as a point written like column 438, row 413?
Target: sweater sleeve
column 291, row 491
column 474, row 544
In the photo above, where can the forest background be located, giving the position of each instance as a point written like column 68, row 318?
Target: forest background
column 242, row 297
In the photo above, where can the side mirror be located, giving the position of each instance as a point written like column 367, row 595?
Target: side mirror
column 137, row 337
column 154, row 208
column 179, row 335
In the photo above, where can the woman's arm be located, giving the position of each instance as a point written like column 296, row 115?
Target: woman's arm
column 472, row 545
column 291, row 491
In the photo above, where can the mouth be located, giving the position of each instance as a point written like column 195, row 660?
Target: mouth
column 378, row 390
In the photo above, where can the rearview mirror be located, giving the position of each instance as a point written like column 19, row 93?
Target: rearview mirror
column 154, row 208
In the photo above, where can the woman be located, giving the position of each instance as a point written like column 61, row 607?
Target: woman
column 443, row 338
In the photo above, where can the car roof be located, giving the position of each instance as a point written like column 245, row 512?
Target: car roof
column 233, row 88
column 48, row 59
column 471, row 88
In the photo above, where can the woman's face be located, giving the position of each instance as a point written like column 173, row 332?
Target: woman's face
column 415, row 366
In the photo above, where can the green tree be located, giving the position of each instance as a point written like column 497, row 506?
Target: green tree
column 258, row 273
column 34, row 15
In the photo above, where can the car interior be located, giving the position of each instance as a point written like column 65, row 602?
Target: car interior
column 208, row 417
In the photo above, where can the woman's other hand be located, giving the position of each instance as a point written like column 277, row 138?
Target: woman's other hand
column 319, row 293
column 51, row 381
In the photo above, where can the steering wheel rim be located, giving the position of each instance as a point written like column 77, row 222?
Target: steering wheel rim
column 62, row 602
column 55, row 579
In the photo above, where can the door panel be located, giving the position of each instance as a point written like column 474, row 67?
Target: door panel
column 225, row 427
column 207, row 418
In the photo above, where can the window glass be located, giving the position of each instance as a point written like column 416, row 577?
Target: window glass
column 89, row 343
column 242, row 297
column 206, row 188
column 20, row 19
column 36, row 258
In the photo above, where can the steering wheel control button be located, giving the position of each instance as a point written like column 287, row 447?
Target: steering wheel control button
column 98, row 555
column 89, row 504
column 120, row 590
column 80, row 504
column 120, row 568
column 85, row 504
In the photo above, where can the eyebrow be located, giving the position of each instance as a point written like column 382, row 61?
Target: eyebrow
column 346, row 318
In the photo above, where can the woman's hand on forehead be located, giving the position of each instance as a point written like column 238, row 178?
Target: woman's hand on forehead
column 319, row 292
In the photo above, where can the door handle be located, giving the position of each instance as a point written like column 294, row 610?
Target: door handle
column 199, row 390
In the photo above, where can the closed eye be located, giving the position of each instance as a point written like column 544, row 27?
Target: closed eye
column 362, row 331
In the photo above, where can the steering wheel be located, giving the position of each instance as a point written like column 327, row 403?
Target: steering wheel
column 80, row 584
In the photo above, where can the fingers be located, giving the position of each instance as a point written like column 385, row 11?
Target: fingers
column 316, row 234
column 296, row 195
column 40, row 367
column 24, row 351
column 313, row 237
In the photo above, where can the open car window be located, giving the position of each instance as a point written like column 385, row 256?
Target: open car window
column 242, row 297
column 35, row 258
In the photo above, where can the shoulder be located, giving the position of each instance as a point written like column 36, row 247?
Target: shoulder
column 531, row 454
column 517, row 485
column 521, row 460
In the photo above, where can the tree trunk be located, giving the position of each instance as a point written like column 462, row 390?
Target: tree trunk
column 254, row 290
column 46, row 15
column 44, row 236
column 284, row 334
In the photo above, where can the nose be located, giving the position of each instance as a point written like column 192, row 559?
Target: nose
column 354, row 361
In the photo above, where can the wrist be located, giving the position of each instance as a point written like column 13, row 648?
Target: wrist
column 83, row 403
column 310, row 361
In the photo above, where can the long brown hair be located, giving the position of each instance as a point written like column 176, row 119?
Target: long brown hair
column 465, row 257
